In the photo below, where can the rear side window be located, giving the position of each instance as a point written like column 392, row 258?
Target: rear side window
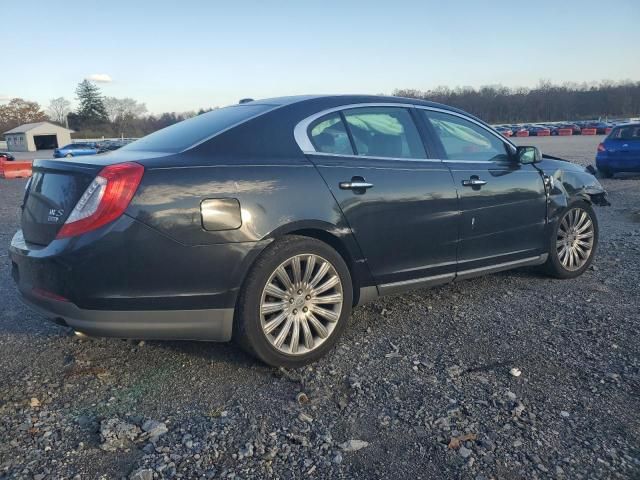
column 464, row 140
column 329, row 135
column 384, row 132
column 189, row 132
column 629, row 132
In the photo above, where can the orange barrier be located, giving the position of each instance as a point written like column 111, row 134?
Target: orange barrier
column 15, row 169
column 544, row 133
column 589, row 131
column 522, row 133
column 607, row 130
column 565, row 132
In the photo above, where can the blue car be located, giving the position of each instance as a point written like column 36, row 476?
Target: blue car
column 76, row 149
column 620, row 151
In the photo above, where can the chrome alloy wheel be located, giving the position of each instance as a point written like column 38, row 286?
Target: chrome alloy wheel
column 301, row 304
column 574, row 242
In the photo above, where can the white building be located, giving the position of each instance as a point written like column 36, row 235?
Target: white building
column 37, row 136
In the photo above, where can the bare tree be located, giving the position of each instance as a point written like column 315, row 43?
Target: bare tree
column 121, row 111
column 58, row 110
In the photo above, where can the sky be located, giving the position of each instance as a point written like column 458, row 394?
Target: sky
column 186, row 55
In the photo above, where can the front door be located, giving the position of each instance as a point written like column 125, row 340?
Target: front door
column 401, row 206
column 502, row 202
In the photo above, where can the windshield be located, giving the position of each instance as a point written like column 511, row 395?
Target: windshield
column 182, row 135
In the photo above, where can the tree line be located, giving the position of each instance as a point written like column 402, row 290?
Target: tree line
column 546, row 102
column 99, row 116
column 95, row 115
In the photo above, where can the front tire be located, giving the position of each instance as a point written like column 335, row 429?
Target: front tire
column 573, row 241
column 295, row 302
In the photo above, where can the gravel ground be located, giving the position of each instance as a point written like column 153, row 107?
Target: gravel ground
column 419, row 387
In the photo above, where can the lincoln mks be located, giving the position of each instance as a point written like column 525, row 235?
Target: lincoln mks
column 268, row 221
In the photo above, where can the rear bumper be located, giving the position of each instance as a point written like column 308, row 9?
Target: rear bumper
column 206, row 324
column 126, row 280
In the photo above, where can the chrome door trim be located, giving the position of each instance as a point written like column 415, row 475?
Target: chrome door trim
column 301, row 136
column 435, row 280
column 424, row 282
column 474, row 272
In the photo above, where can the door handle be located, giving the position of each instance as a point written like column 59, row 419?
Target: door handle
column 356, row 183
column 473, row 182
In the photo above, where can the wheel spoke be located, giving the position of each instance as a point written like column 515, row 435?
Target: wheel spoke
column 284, row 332
column 308, row 336
column 317, row 325
column 585, row 228
column 274, row 291
column 282, row 274
column 583, row 218
column 583, row 244
column 297, row 271
column 271, row 325
column 330, row 299
column 331, row 282
column 328, row 314
column 320, row 274
column 588, row 234
column 295, row 335
column 311, row 263
column 272, row 307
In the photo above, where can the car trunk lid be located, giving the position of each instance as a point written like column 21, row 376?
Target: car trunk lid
column 54, row 189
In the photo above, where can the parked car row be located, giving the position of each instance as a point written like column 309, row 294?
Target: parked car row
column 77, row 149
column 553, row 129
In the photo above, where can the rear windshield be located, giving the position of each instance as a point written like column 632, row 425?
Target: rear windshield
column 629, row 132
column 189, row 132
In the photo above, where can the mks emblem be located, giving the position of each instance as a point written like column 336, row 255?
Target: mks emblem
column 55, row 215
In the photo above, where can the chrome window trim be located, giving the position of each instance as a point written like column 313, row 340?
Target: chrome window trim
column 371, row 157
column 301, row 135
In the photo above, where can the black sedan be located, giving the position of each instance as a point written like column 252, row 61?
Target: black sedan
column 267, row 222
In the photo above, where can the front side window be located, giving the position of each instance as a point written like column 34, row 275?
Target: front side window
column 384, row 132
column 464, row 140
column 329, row 135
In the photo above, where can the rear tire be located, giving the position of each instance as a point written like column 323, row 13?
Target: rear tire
column 605, row 172
column 295, row 302
column 68, row 155
column 573, row 241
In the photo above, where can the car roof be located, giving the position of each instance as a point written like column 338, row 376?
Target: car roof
column 347, row 99
column 322, row 101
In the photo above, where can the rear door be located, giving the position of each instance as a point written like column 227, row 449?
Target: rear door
column 502, row 202
column 401, row 205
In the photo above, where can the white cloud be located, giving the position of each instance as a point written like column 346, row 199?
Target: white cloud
column 100, row 78
column 4, row 98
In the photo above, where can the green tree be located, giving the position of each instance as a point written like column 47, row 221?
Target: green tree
column 91, row 107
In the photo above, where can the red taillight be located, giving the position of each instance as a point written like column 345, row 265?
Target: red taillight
column 601, row 148
column 104, row 200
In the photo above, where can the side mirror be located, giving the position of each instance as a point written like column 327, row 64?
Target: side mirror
column 527, row 155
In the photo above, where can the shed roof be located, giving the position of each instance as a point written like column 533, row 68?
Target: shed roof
column 31, row 126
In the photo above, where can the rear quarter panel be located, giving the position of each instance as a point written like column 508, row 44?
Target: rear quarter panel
column 274, row 197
